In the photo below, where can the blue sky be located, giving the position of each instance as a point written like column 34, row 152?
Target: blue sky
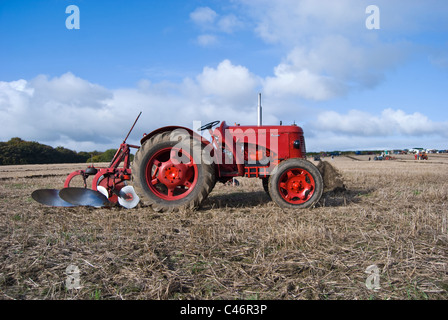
column 314, row 61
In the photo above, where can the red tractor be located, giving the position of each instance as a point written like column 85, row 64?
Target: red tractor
column 176, row 168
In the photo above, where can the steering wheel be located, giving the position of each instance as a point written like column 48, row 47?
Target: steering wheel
column 209, row 125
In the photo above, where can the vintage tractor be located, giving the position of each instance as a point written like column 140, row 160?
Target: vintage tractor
column 176, row 168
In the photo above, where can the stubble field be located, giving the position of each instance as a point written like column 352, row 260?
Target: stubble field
column 240, row 245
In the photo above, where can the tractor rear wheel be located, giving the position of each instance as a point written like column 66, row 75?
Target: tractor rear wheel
column 170, row 174
column 296, row 184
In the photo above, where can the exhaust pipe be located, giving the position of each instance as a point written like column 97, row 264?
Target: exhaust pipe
column 259, row 110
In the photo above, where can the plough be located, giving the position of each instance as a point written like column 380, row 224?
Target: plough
column 108, row 187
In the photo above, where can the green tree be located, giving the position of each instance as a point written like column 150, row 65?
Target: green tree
column 18, row 151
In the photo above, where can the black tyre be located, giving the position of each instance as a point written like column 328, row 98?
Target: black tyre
column 265, row 183
column 170, row 173
column 295, row 183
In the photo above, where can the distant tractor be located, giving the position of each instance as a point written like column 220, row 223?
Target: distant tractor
column 384, row 156
column 423, row 156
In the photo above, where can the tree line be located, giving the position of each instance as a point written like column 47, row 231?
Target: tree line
column 18, row 151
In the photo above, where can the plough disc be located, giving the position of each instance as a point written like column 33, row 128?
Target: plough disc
column 50, row 197
column 84, row 197
column 72, row 197
column 127, row 197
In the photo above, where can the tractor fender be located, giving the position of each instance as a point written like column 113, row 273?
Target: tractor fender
column 172, row 128
column 195, row 135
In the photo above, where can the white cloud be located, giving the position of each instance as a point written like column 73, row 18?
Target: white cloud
column 206, row 40
column 207, row 18
column 359, row 130
column 46, row 109
column 328, row 49
column 80, row 115
column 329, row 67
column 292, row 22
column 390, row 122
column 211, row 24
column 14, row 95
column 203, row 16
column 229, row 23
column 227, row 81
column 74, row 112
column 295, row 22
column 439, row 57
column 290, row 80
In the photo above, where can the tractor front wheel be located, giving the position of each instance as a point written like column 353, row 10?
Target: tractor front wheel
column 296, row 183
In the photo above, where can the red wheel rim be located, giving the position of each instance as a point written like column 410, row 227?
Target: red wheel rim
column 171, row 174
column 296, row 186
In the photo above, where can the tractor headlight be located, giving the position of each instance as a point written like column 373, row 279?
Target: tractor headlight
column 296, row 144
